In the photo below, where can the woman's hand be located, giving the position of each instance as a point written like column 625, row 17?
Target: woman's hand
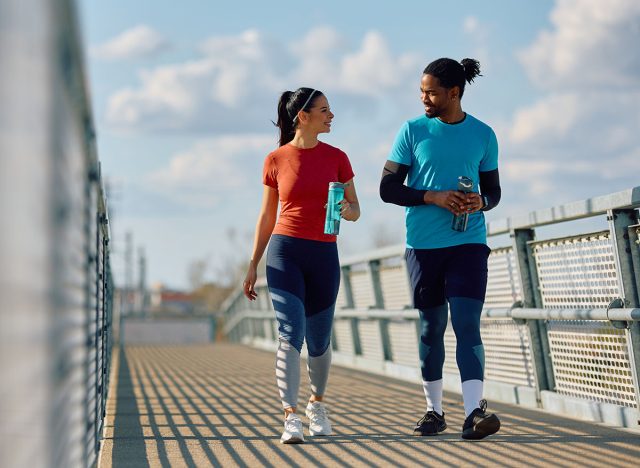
column 350, row 210
column 249, row 283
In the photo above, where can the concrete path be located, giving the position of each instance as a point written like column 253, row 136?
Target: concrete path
column 217, row 405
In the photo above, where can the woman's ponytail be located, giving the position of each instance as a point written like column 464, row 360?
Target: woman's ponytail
column 285, row 122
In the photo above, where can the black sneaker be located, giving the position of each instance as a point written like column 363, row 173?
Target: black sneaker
column 431, row 424
column 479, row 424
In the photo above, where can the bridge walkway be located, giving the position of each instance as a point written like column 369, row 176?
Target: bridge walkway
column 216, row 405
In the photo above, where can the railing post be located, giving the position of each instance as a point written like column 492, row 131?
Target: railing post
column 620, row 222
column 374, row 273
column 355, row 336
column 634, row 245
column 538, row 339
column 346, row 285
column 387, row 352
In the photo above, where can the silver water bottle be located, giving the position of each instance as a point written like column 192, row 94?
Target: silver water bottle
column 459, row 223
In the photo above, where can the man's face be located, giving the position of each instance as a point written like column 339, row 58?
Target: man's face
column 436, row 99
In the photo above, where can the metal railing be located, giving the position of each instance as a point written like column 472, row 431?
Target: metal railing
column 560, row 323
column 56, row 285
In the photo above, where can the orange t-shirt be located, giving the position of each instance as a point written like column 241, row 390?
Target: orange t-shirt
column 302, row 178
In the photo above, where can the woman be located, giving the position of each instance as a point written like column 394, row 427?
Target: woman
column 303, row 272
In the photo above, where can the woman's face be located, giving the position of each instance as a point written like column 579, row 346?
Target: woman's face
column 319, row 116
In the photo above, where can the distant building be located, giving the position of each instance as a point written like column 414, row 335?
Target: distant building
column 165, row 300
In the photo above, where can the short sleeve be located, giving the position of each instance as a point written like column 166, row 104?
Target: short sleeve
column 345, row 171
column 402, row 150
column 270, row 172
column 490, row 159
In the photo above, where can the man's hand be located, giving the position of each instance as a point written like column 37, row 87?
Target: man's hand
column 454, row 201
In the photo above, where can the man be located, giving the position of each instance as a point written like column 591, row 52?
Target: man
column 447, row 266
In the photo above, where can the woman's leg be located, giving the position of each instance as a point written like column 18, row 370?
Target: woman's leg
column 322, row 282
column 286, row 287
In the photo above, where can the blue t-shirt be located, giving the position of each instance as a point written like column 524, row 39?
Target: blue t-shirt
column 437, row 154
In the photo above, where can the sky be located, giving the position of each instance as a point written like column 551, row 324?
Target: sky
column 184, row 94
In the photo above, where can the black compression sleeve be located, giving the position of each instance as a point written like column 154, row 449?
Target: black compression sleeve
column 393, row 190
column 490, row 189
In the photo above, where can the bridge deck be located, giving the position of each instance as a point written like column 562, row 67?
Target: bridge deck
column 217, row 405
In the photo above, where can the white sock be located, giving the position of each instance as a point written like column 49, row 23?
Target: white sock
column 433, row 392
column 471, row 395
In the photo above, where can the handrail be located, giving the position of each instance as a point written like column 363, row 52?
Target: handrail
column 622, row 315
column 590, row 207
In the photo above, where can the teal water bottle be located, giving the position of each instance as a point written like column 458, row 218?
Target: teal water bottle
column 465, row 185
column 332, row 218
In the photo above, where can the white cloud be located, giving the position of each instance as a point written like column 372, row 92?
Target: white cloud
column 140, row 41
column 472, row 26
column 374, row 67
column 592, row 43
column 579, row 139
column 537, row 121
column 234, row 86
column 203, row 174
column 478, row 32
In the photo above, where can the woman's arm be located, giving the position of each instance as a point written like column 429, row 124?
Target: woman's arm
column 264, row 228
column 350, row 209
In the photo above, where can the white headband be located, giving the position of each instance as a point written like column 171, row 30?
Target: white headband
column 305, row 103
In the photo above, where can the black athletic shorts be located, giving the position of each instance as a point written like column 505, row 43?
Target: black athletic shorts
column 438, row 274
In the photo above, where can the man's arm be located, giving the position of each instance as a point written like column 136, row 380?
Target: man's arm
column 490, row 189
column 393, row 190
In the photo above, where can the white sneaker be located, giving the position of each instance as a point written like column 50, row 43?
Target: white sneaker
column 318, row 414
column 292, row 430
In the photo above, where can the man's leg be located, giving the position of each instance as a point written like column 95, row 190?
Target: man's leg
column 427, row 284
column 466, row 280
column 433, row 323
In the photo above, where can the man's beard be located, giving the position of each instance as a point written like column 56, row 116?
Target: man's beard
column 435, row 112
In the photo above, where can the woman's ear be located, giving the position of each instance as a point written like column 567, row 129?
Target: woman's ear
column 302, row 117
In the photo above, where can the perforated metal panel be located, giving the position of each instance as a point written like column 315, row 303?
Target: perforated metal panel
column 591, row 360
column 362, row 288
column 343, row 336
column 403, row 336
column 341, row 300
column 578, row 272
column 52, row 295
column 507, row 353
column 370, row 339
column 395, row 284
column 503, row 285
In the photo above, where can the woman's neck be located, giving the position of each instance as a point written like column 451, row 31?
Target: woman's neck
column 304, row 140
